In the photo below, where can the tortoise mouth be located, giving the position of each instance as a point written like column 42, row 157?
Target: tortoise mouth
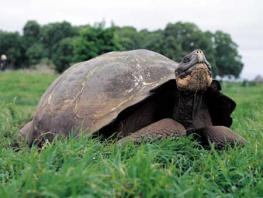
column 195, row 78
column 192, row 67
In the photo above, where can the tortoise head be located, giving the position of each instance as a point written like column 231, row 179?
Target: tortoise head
column 194, row 72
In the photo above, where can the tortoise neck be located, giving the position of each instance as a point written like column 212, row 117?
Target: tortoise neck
column 186, row 107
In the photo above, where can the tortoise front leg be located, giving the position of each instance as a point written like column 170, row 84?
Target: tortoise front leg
column 161, row 129
column 219, row 135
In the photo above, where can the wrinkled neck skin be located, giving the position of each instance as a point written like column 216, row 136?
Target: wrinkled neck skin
column 186, row 107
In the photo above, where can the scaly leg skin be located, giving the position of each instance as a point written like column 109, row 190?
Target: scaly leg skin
column 161, row 129
column 219, row 135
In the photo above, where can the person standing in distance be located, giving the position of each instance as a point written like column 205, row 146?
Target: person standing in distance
column 3, row 62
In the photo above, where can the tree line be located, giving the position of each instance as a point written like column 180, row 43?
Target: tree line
column 65, row 44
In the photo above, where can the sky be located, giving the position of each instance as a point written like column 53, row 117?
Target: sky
column 243, row 19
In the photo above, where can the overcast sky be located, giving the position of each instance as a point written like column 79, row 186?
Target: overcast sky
column 243, row 19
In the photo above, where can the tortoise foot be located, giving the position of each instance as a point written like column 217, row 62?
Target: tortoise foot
column 221, row 136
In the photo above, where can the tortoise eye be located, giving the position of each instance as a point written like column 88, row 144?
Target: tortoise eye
column 186, row 60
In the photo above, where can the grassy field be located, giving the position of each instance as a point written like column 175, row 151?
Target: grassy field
column 86, row 167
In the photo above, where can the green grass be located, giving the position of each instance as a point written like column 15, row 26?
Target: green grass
column 86, row 167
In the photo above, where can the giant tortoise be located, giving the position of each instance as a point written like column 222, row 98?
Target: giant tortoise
column 135, row 94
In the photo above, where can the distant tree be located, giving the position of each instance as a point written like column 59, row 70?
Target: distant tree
column 152, row 40
column 34, row 49
column 34, row 53
column 227, row 58
column 210, row 52
column 128, row 37
column 52, row 33
column 182, row 38
column 63, row 54
column 94, row 41
column 31, row 32
column 65, row 44
column 11, row 44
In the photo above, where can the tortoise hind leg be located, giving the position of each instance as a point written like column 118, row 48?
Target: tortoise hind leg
column 219, row 135
column 24, row 136
column 161, row 129
column 26, row 133
column 34, row 137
